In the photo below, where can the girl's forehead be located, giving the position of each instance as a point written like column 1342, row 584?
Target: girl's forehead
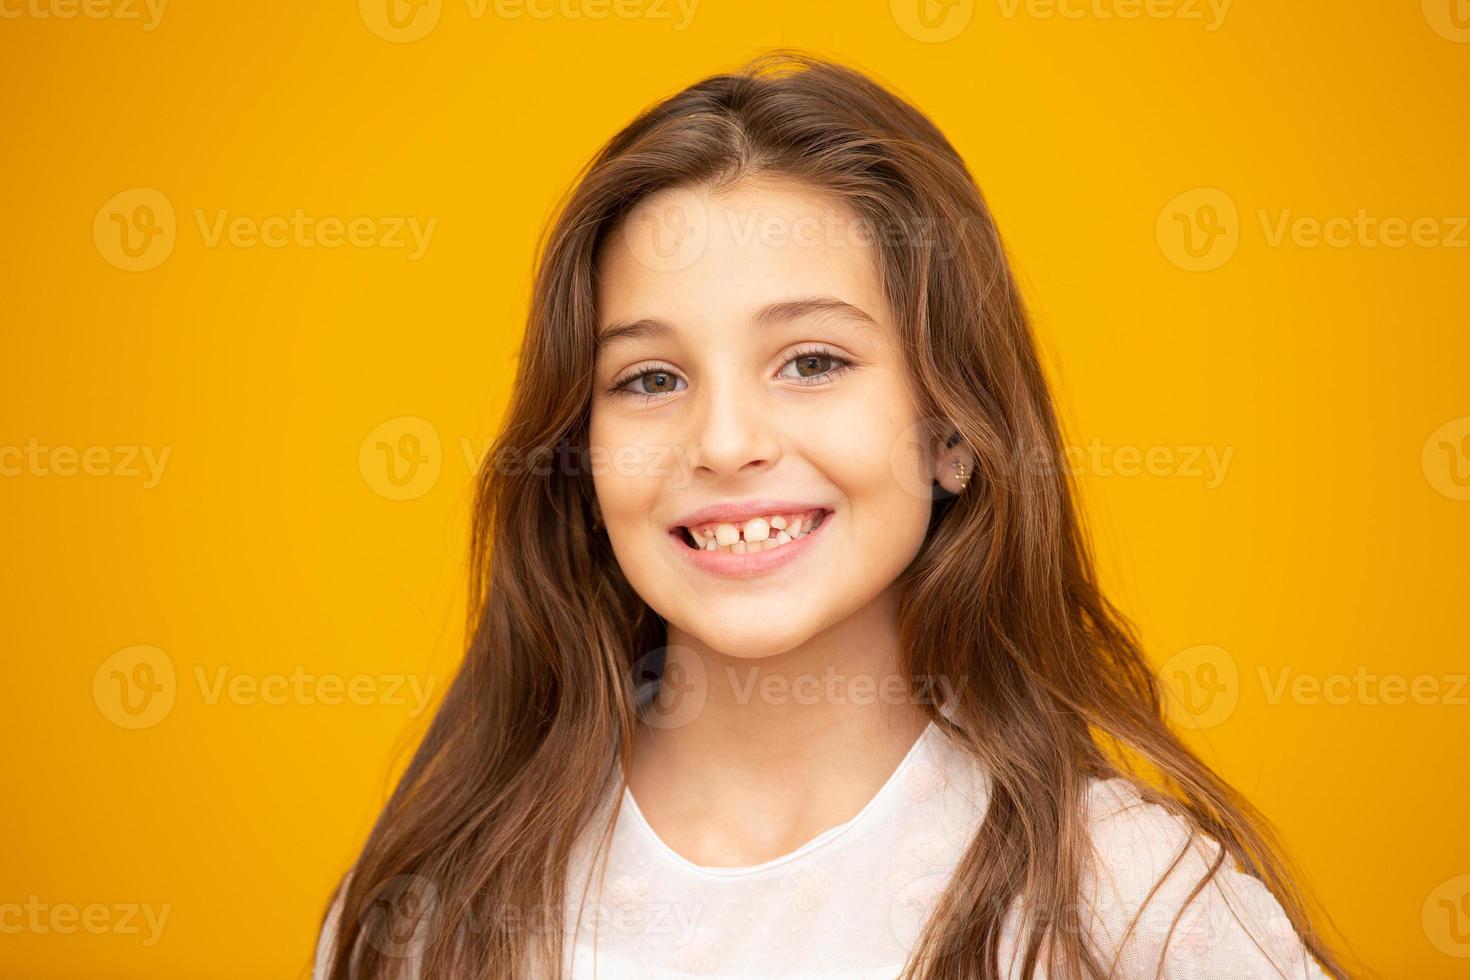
column 688, row 252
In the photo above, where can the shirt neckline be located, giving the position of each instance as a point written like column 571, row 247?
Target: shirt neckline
column 826, row 836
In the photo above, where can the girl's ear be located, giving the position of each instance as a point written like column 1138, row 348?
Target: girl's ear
column 953, row 464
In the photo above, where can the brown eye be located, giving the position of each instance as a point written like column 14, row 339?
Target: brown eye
column 646, row 385
column 815, row 367
column 812, row 365
column 660, row 378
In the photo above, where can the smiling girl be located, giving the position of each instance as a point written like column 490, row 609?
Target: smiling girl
column 790, row 660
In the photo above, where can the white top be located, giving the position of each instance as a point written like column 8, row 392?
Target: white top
column 849, row 903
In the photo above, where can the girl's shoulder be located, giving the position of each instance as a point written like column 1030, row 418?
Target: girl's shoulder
column 1152, row 895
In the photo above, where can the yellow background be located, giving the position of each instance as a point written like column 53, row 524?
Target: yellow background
column 1333, row 544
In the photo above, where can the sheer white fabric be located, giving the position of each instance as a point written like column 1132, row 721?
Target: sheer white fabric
column 849, row 903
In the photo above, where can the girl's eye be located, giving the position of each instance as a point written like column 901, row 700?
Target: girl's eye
column 816, row 366
column 648, row 384
column 813, row 367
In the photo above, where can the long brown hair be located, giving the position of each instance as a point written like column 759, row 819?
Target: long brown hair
column 526, row 744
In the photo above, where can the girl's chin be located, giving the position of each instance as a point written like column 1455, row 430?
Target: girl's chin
column 740, row 642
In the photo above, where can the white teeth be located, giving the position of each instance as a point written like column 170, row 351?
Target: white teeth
column 755, row 534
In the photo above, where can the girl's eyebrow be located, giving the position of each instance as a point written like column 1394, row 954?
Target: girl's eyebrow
column 782, row 311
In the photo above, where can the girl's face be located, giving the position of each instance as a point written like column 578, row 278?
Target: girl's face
column 750, row 364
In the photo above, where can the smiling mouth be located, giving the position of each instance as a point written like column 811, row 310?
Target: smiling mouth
column 764, row 533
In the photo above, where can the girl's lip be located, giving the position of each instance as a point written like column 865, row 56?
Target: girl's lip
column 751, row 562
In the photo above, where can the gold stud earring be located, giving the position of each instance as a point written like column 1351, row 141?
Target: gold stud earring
column 959, row 473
